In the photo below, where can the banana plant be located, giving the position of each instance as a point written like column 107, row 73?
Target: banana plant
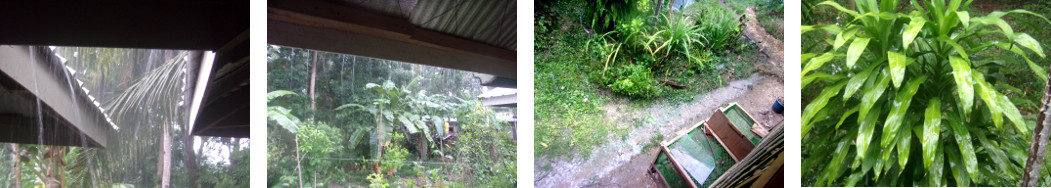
column 914, row 84
column 407, row 110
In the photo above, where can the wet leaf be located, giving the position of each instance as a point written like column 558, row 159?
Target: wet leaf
column 1029, row 42
column 819, row 76
column 914, row 29
column 817, row 62
column 965, row 18
column 855, row 50
column 931, row 130
column 817, row 104
column 1012, row 114
column 843, row 37
column 834, row 169
column 935, row 175
column 840, row 8
column 872, row 94
column 845, row 115
column 959, row 172
column 898, row 108
column 963, row 140
column 897, row 67
column 964, row 83
column 865, row 134
column 857, row 81
column 991, row 98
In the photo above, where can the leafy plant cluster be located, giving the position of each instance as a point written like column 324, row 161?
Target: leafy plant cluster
column 921, row 84
column 388, row 124
column 635, row 32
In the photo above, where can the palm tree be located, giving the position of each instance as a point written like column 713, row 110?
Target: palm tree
column 154, row 98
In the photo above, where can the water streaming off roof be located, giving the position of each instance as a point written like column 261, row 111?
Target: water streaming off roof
column 106, row 117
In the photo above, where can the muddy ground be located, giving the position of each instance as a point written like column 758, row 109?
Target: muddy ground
column 622, row 162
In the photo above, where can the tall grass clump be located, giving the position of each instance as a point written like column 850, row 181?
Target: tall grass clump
column 719, row 26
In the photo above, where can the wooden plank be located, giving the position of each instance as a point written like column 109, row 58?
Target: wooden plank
column 734, row 142
column 678, row 168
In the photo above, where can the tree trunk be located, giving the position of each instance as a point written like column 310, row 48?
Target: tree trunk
column 1038, row 147
column 299, row 167
column 189, row 157
column 164, row 161
column 53, row 155
column 17, row 169
column 313, row 76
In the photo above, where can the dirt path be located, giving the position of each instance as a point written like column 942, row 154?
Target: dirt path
column 623, row 162
column 768, row 44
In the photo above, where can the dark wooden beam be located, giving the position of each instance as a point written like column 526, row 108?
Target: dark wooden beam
column 173, row 24
column 336, row 28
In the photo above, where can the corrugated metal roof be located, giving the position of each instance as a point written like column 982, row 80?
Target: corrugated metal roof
column 488, row 21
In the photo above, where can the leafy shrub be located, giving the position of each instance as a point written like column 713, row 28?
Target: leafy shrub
column 954, row 120
column 607, row 14
column 719, row 27
column 634, row 81
column 394, row 155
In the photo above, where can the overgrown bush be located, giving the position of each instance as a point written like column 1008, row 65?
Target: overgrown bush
column 719, row 26
column 914, row 85
column 631, row 80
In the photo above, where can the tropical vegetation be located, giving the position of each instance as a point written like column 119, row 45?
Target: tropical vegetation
column 142, row 90
column 343, row 120
column 917, row 93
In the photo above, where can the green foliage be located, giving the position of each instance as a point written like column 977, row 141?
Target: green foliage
column 917, row 73
column 719, row 27
column 635, row 81
column 394, row 155
column 379, row 118
column 377, row 181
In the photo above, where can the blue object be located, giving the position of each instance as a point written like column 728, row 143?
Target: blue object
column 779, row 107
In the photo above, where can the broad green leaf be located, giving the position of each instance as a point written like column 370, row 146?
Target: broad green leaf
column 998, row 155
column 819, row 76
column 904, row 144
column 806, row 57
column 865, row 134
column 409, row 125
column 963, row 140
column 857, row 81
column 845, row 115
column 1012, row 114
column 965, row 18
column 931, row 129
column 844, row 36
column 901, row 104
column 833, row 170
column 1037, row 69
column 956, row 165
column 897, row 67
column 914, row 29
column 872, row 94
column 991, row 98
column 278, row 93
column 840, row 8
column 832, row 29
column 964, row 83
column 282, row 117
column 817, row 104
column 935, row 175
column 959, row 49
column 855, row 50
column 816, row 63
column 991, row 19
column 1029, row 42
